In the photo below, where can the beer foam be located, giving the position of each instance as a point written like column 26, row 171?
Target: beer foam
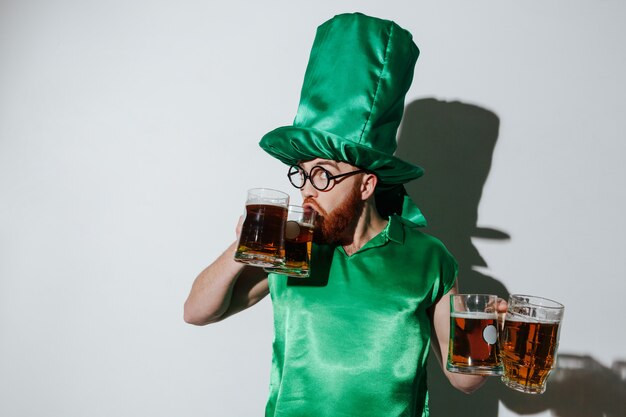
column 525, row 319
column 480, row 315
column 261, row 202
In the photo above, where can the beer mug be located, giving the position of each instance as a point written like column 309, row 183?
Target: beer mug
column 529, row 342
column 473, row 347
column 262, row 239
column 298, row 242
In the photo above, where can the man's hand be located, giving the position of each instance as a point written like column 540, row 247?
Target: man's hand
column 501, row 308
column 238, row 228
column 225, row 287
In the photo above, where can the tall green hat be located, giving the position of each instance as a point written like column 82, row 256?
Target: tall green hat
column 352, row 100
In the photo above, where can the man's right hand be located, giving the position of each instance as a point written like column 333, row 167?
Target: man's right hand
column 225, row 287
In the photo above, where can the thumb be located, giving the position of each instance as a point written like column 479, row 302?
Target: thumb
column 239, row 226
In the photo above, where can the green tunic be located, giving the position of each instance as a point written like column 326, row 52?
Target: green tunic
column 353, row 339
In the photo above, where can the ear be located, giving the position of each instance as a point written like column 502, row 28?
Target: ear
column 368, row 185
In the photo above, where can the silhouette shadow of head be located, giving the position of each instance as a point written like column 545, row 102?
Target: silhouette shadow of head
column 454, row 143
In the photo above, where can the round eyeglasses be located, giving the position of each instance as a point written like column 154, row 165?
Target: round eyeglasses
column 320, row 178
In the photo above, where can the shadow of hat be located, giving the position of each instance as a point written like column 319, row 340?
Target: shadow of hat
column 455, row 143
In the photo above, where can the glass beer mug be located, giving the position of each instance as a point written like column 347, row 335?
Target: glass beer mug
column 262, row 239
column 298, row 242
column 529, row 342
column 473, row 347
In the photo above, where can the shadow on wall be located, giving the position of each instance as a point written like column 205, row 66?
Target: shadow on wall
column 454, row 143
column 579, row 387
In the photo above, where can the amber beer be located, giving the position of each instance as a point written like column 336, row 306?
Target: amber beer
column 261, row 242
column 298, row 243
column 529, row 342
column 528, row 353
column 473, row 346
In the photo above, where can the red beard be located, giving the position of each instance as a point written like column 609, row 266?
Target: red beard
column 337, row 227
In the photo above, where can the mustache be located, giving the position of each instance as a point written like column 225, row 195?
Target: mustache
column 311, row 202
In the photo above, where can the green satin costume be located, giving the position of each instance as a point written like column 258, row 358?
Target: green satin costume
column 353, row 339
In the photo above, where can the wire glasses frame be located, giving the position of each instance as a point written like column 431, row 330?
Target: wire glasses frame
column 320, row 177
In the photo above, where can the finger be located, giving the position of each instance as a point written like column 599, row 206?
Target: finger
column 501, row 307
column 239, row 226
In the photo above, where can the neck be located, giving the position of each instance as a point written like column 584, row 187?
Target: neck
column 369, row 224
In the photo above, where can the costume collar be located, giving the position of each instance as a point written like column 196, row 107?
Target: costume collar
column 394, row 230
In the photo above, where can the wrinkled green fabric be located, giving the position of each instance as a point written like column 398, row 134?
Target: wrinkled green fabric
column 395, row 200
column 353, row 339
column 352, row 98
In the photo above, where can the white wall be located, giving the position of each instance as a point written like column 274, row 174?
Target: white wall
column 128, row 136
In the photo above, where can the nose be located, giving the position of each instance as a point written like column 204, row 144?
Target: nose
column 308, row 190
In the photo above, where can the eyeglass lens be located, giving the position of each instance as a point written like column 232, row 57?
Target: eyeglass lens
column 319, row 177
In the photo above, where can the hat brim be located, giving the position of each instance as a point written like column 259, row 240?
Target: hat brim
column 292, row 144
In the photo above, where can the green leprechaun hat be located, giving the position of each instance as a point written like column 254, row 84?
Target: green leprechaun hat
column 352, row 101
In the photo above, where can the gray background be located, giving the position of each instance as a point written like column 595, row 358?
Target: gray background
column 128, row 136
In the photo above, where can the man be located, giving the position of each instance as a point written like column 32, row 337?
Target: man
column 353, row 339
